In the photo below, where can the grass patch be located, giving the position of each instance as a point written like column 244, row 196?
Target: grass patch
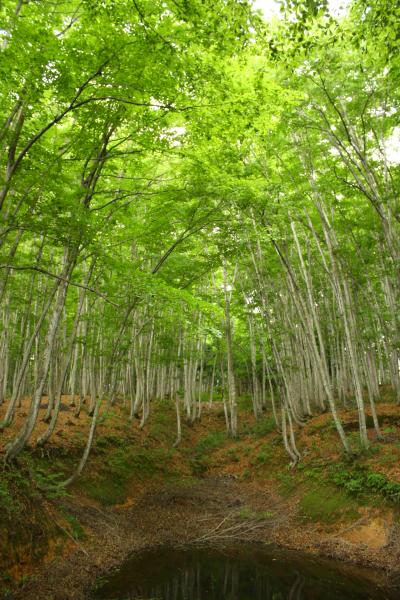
column 321, row 426
column 330, row 492
column 8, row 506
column 232, row 455
column 264, row 456
column 261, row 428
column 388, row 459
column 199, row 465
column 75, row 527
column 210, row 442
column 103, row 491
column 390, row 430
column 247, row 513
column 288, row 482
column 200, row 460
column 245, row 403
column 110, row 485
column 246, row 474
column 327, row 504
column 104, row 442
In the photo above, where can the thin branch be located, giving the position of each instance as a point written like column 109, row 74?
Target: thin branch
column 54, row 276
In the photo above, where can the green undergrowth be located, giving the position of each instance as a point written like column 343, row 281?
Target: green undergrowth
column 244, row 403
column 356, row 478
column 247, row 514
column 31, row 481
column 263, row 456
column 362, row 481
column 328, row 492
column 319, row 500
column 262, row 427
column 119, row 457
column 10, row 485
column 25, row 526
column 210, row 442
column 76, row 531
column 116, row 466
column 327, row 504
column 201, row 455
column 161, row 427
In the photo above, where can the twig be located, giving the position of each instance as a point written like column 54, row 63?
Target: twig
column 234, row 530
column 216, row 528
column 70, row 536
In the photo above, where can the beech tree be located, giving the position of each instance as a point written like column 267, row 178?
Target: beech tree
column 196, row 203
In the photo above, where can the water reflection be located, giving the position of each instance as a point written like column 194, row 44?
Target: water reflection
column 193, row 584
column 237, row 573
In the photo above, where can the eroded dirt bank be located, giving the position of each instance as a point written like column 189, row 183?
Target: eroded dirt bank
column 210, row 509
column 139, row 491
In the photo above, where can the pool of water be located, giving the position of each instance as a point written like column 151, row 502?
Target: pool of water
column 238, row 572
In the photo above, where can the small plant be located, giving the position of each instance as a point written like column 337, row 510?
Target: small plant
column 24, row 580
column 361, row 480
column 247, row 513
column 288, row 482
column 6, row 577
column 199, row 466
column 210, row 442
column 261, row 428
column 245, row 402
column 108, row 415
column 107, row 440
column 265, row 514
column 231, row 455
column 76, row 529
column 261, row 458
column 246, row 474
column 49, row 483
column 6, row 500
column 389, row 430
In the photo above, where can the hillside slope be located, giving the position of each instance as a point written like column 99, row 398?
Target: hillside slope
column 138, row 491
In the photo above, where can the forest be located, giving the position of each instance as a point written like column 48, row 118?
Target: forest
column 199, row 222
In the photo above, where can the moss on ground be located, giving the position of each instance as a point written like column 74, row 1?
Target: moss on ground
column 328, row 487
column 200, row 457
column 247, row 514
column 327, row 504
column 260, row 428
column 109, row 484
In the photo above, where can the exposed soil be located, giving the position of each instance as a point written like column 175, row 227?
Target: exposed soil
column 216, row 506
column 213, row 510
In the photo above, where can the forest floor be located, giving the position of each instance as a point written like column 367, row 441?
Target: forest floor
column 137, row 491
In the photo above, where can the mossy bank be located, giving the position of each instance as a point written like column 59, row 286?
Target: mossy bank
column 329, row 505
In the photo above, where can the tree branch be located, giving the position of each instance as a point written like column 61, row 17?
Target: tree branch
column 49, row 274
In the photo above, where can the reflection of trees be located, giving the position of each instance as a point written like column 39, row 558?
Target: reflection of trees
column 297, row 588
column 229, row 581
